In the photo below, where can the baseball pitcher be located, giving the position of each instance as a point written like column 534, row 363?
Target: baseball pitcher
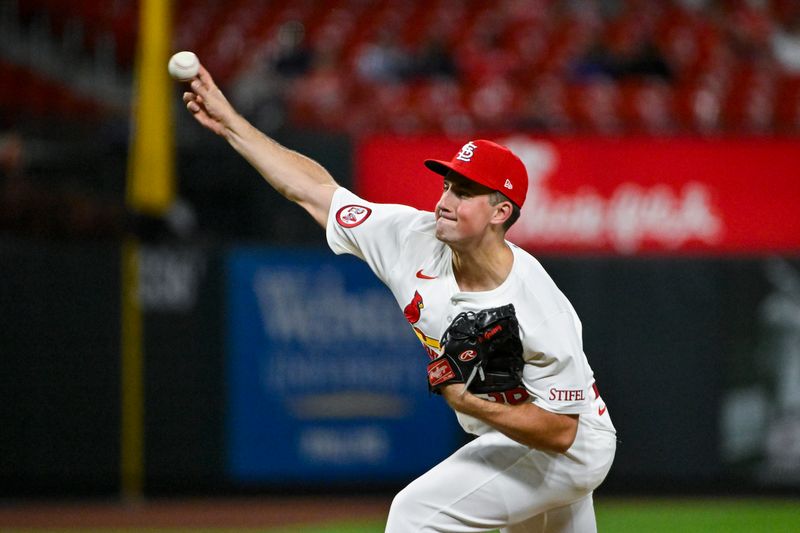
column 503, row 343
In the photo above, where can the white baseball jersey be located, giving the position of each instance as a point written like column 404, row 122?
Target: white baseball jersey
column 399, row 245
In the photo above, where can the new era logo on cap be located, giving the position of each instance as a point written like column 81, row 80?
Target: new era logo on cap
column 489, row 164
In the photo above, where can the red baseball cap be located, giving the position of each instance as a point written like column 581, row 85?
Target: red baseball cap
column 489, row 164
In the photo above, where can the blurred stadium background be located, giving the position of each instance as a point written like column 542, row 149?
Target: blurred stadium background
column 180, row 349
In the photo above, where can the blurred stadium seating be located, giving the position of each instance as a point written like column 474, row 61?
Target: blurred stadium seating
column 610, row 67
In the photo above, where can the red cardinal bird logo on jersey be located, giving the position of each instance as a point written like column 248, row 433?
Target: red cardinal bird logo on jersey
column 413, row 309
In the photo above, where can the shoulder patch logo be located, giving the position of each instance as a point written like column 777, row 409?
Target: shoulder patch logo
column 351, row 216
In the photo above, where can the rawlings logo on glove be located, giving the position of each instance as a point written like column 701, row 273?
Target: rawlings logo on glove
column 468, row 355
column 482, row 350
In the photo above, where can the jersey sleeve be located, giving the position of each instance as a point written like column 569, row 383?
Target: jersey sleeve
column 556, row 374
column 373, row 232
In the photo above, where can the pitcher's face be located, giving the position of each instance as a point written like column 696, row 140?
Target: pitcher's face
column 464, row 212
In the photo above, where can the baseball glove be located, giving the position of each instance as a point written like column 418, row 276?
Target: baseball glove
column 482, row 350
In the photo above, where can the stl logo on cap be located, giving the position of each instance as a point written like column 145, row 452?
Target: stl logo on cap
column 466, row 152
column 489, row 164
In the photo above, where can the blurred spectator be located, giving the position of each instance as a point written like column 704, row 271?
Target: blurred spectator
column 641, row 60
column 748, row 30
column 682, row 51
column 785, row 42
column 259, row 95
column 434, row 60
column 383, row 60
column 293, row 57
column 630, row 53
column 484, row 56
column 319, row 98
column 260, row 91
column 596, row 61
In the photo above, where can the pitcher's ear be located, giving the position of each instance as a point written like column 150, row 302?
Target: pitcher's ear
column 502, row 212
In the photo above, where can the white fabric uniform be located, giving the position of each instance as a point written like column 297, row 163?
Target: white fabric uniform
column 492, row 482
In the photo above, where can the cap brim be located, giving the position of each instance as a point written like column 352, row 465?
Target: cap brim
column 440, row 167
column 443, row 167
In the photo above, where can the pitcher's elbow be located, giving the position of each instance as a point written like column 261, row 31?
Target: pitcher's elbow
column 564, row 442
column 563, row 439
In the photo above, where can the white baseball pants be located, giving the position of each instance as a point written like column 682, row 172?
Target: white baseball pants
column 496, row 483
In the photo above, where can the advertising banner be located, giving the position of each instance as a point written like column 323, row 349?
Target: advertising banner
column 326, row 382
column 620, row 196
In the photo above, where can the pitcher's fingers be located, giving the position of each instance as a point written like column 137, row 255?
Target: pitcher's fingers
column 205, row 77
column 206, row 121
column 197, row 86
column 192, row 102
column 193, row 97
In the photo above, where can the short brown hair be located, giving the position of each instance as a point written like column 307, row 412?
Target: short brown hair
column 496, row 197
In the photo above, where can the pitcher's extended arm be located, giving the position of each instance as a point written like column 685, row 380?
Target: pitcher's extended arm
column 295, row 176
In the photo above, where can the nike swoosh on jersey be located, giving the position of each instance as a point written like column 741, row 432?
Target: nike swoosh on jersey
column 420, row 275
column 601, row 410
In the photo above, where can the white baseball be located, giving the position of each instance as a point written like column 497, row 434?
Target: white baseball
column 183, row 66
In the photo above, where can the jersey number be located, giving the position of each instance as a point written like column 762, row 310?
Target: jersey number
column 511, row 396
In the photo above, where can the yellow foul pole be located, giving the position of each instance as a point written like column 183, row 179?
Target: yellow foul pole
column 150, row 190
